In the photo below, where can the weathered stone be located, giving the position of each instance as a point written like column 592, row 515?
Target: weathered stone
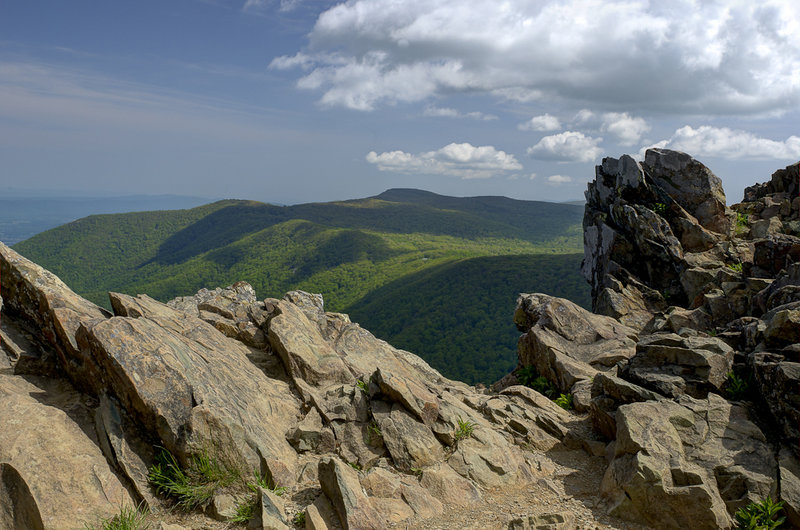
column 544, row 521
column 311, row 435
column 690, row 184
column 566, row 343
column 179, row 375
column 690, row 464
column 41, row 299
column 783, row 328
column 673, row 365
column 341, row 485
column 411, row 444
column 52, row 473
column 222, row 507
column 449, row 487
column 417, row 399
column 270, row 512
column 309, row 358
column 320, row 515
column 608, row 394
column 779, row 383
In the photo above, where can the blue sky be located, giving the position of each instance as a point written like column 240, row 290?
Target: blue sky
column 300, row 100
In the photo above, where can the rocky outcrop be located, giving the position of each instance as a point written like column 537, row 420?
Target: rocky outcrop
column 567, row 344
column 307, row 399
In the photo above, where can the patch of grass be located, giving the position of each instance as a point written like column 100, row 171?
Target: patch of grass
column 736, row 387
column 660, row 208
column 374, row 433
column 300, row 519
column 194, row 486
column 355, row 465
column 464, row 429
column 244, row 511
column 362, row 385
column 260, row 481
column 761, row 515
column 128, row 518
column 565, row 401
column 737, row 267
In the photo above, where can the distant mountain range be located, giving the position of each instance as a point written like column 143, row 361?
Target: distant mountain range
column 433, row 274
column 26, row 213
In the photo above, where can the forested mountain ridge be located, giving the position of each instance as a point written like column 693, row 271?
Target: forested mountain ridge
column 364, row 255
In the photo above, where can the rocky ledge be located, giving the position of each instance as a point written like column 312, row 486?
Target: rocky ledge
column 333, row 428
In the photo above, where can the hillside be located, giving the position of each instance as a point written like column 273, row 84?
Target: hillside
column 396, row 250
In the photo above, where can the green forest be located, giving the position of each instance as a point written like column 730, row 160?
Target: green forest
column 434, row 275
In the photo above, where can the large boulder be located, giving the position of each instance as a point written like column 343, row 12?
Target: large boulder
column 671, row 364
column 53, row 475
column 690, row 184
column 689, row 464
column 566, row 343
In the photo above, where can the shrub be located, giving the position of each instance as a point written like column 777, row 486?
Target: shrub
column 362, row 385
column 374, row 433
column 737, row 267
column 761, row 515
column 300, row 519
column 742, row 220
column 660, row 208
column 565, row 401
column 529, row 376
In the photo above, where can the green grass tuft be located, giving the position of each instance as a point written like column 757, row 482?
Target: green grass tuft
column 194, row 486
column 565, row 401
column 464, row 429
column 128, row 518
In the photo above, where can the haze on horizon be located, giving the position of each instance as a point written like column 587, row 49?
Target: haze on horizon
column 291, row 101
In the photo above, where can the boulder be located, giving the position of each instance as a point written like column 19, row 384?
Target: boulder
column 672, row 364
column 341, row 485
column 53, row 475
column 687, row 464
column 566, row 343
column 778, row 383
column 690, row 184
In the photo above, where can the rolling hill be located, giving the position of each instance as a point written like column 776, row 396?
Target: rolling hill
column 433, row 274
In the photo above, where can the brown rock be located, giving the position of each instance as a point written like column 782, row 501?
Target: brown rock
column 341, row 485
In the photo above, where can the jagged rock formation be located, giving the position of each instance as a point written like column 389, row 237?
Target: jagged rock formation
column 279, row 386
column 706, row 291
column 686, row 290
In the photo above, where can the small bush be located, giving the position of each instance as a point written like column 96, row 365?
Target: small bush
column 193, row 486
column 464, row 429
column 374, row 433
column 529, row 376
column 362, row 385
column 565, row 401
column 244, row 511
column 660, row 208
column 758, row 516
column 737, row 267
column 128, row 518
column 299, row 519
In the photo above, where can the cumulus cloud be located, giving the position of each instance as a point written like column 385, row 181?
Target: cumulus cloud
column 545, row 122
column 283, row 6
column 461, row 160
column 569, row 146
column 734, row 57
column 628, row 129
column 446, row 112
column 723, row 142
column 559, row 179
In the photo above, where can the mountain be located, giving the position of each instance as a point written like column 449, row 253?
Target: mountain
column 23, row 214
column 397, row 249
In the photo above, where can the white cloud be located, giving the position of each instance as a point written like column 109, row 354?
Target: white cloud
column 462, row 160
column 532, row 176
column 446, row 112
column 723, row 142
column 559, row 179
column 569, row 146
column 696, row 56
column 545, row 122
column 628, row 129
column 283, row 6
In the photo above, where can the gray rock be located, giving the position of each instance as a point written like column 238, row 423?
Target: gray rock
column 673, row 365
column 341, row 485
column 566, row 343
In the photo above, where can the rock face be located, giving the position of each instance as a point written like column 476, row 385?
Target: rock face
column 302, row 396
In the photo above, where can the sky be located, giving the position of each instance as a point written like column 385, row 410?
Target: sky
column 290, row 101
